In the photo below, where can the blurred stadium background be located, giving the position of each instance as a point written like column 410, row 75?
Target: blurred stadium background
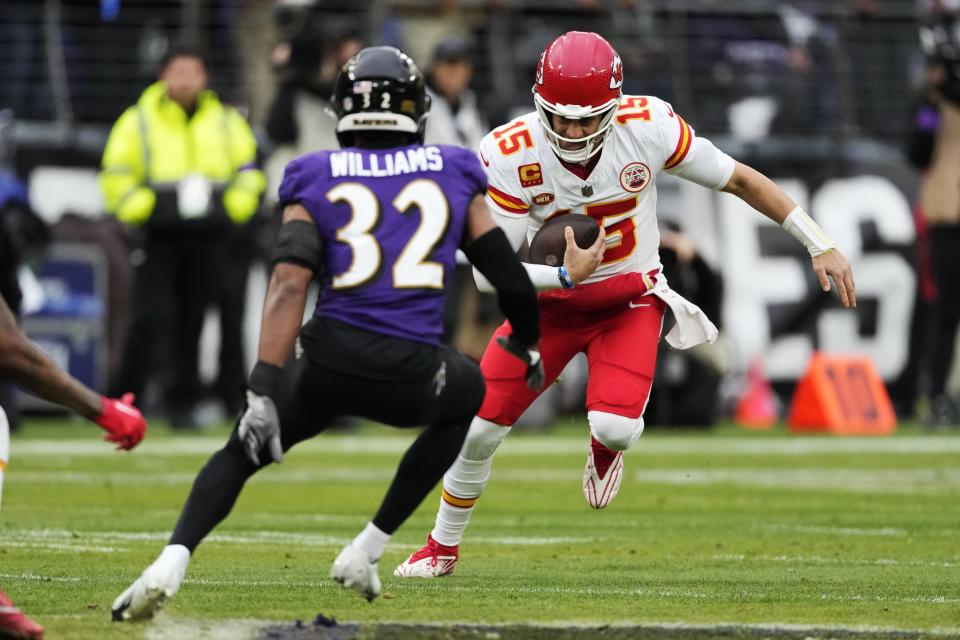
column 818, row 94
column 726, row 527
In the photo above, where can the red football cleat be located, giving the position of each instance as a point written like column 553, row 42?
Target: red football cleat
column 602, row 475
column 432, row 561
column 14, row 624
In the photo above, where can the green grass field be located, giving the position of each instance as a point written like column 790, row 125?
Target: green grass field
column 719, row 528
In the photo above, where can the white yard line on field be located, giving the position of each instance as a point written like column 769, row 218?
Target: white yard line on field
column 66, row 537
column 887, row 532
column 58, row 546
column 524, row 445
column 682, row 594
column 33, row 576
column 860, row 481
column 882, row 562
column 273, row 475
column 62, row 539
column 887, row 481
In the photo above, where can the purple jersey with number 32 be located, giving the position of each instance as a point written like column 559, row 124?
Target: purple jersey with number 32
column 390, row 221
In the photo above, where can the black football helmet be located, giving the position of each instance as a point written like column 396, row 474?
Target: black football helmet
column 380, row 89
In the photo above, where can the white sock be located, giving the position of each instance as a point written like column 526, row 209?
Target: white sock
column 174, row 557
column 462, row 486
column 373, row 541
column 4, row 448
column 466, row 479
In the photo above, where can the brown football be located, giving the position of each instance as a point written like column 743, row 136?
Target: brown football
column 549, row 245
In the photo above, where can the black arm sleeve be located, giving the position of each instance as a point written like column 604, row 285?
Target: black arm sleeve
column 298, row 242
column 493, row 256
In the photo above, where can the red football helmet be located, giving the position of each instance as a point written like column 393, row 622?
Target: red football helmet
column 579, row 76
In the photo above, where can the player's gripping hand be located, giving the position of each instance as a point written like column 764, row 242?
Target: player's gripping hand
column 580, row 263
column 122, row 421
column 535, row 374
column 834, row 264
column 259, row 426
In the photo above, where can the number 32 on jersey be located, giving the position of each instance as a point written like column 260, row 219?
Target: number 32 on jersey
column 411, row 269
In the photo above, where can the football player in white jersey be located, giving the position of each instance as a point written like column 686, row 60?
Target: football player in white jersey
column 588, row 149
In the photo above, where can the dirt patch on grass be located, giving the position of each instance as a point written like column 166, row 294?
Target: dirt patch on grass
column 323, row 628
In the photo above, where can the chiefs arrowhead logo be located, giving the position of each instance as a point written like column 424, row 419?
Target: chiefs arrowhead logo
column 635, row 176
column 616, row 73
column 540, row 68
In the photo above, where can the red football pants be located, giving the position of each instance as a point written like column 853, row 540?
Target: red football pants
column 621, row 346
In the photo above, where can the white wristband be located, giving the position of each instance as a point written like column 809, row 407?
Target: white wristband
column 803, row 228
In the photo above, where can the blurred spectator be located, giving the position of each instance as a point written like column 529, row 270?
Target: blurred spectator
column 938, row 131
column 179, row 166
column 314, row 46
column 688, row 393
column 880, row 48
column 455, row 117
column 23, row 75
column 231, row 299
column 753, row 73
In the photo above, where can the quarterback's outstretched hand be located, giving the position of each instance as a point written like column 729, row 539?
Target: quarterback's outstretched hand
column 834, row 264
column 580, row 263
column 535, row 374
column 122, row 421
column 259, row 426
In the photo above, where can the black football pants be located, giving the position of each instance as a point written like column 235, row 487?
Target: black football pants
column 174, row 285
column 437, row 387
column 945, row 253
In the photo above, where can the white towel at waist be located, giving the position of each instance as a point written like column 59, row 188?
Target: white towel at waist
column 692, row 326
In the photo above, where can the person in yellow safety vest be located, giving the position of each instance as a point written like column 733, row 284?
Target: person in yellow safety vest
column 180, row 166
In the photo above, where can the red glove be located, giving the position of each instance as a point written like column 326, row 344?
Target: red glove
column 123, row 422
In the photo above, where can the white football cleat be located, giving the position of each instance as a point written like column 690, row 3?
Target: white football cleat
column 433, row 560
column 158, row 583
column 602, row 475
column 353, row 570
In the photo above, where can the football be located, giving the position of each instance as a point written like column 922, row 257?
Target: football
column 549, row 244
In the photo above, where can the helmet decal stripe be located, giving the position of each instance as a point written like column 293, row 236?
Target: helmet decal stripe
column 616, row 73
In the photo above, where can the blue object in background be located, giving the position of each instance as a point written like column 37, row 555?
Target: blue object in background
column 69, row 326
column 109, row 10
column 70, row 289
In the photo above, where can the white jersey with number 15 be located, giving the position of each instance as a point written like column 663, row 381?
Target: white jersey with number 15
column 527, row 180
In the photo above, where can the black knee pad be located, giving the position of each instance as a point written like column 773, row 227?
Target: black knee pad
column 467, row 387
column 478, row 387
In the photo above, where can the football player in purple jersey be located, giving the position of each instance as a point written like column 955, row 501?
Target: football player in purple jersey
column 379, row 223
